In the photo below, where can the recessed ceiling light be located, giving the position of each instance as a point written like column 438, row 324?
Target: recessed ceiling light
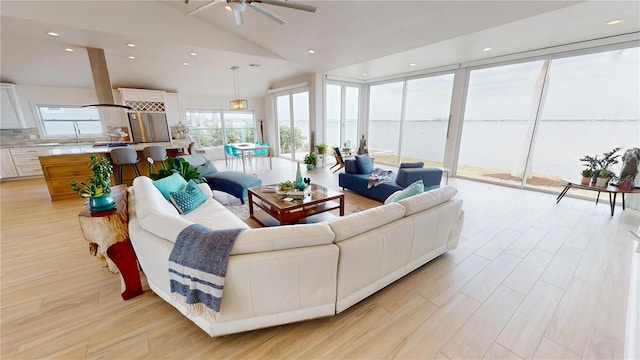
column 487, row 49
column 614, row 22
column 51, row 33
column 311, row 51
column 228, row 8
column 131, row 45
column 412, row 64
column 131, row 57
column 185, row 63
column 193, row 54
column 364, row 74
column 68, row 49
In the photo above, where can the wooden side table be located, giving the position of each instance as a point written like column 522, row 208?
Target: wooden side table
column 108, row 235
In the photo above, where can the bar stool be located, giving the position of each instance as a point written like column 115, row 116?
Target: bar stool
column 156, row 153
column 124, row 156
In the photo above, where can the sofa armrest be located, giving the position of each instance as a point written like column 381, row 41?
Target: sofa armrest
column 430, row 176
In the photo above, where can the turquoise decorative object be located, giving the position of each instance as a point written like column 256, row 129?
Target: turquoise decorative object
column 101, row 203
column 299, row 183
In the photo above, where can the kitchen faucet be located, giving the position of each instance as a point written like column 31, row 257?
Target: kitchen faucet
column 76, row 129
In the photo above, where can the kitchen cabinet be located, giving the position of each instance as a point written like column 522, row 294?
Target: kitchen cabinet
column 7, row 169
column 26, row 159
column 59, row 170
column 11, row 112
column 172, row 105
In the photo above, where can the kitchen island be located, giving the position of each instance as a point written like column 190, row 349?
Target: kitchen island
column 64, row 163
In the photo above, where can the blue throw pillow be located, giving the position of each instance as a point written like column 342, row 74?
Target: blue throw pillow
column 207, row 169
column 413, row 189
column 365, row 165
column 189, row 198
column 350, row 167
column 412, row 165
column 170, row 184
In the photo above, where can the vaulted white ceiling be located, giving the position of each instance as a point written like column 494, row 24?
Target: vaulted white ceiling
column 380, row 38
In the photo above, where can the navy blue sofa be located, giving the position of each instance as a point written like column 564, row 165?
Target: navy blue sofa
column 356, row 178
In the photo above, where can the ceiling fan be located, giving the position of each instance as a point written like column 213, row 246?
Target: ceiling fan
column 238, row 6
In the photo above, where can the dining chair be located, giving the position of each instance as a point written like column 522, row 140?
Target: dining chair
column 261, row 153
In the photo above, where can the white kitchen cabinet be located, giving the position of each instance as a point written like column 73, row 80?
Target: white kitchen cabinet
column 7, row 169
column 27, row 159
column 173, row 108
column 11, row 112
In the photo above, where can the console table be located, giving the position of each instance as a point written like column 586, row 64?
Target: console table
column 610, row 189
column 108, row 235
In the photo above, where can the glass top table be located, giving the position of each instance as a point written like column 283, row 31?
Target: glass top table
column 270, row 208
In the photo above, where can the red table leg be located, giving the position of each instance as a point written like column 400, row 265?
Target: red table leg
column 121, row 253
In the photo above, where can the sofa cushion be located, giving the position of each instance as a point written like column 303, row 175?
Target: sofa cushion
column 350, row 166
column 189, row 198
column 365, row 165
column 411, row 190
column 418, row 164
column 282, row 238
column 391, row 197
column 349, row 226
column 170, row 184
column 428, row 199
column 150, row 199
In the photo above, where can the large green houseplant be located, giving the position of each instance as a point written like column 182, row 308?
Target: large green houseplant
column 180, row 166
column 98, row 186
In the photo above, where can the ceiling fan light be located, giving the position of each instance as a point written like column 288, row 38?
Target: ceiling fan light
column 238, row 104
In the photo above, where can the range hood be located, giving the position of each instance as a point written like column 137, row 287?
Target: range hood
column 101, row 80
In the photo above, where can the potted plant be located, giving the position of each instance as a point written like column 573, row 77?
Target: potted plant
column 322, row 149
column 603, row 177
column 311, row 159
column 180, row 166
column 97, row 187
column 626, row 183
column 587, row 174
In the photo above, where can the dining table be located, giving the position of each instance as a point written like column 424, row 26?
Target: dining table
column 246, row 150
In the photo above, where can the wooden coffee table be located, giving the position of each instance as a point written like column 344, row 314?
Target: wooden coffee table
column 268, row 209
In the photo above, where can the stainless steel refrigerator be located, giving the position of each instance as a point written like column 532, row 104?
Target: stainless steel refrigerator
column 148, row 127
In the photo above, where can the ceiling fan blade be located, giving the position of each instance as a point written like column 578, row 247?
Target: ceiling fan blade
column 288, row 4
column 259, row 8
column 238, row 16
column 202, row 7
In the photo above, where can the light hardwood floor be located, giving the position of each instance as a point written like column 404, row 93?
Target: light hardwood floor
column 530, row 279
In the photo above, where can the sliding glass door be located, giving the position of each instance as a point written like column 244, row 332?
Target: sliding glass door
column 528, row 124
column 343, row 104
column 408, row 120
column 292, row 119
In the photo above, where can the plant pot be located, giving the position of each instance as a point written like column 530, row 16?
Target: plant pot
column 602, row 182
column 586, row 180
column 625, row 186
column 310, row 167
column 101, row 203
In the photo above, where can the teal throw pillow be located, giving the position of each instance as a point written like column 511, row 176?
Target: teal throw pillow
column 364, row 163
column 189, row 198
column 413, row 189
column 170, row 184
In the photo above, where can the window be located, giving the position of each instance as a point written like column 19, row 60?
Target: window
column 342, row 115
column 215, row 127
column 69, row 120
column 409, row 120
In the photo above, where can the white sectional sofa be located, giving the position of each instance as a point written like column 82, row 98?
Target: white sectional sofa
column 291, row 273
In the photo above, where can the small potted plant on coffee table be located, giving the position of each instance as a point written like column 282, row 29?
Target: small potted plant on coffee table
column 603, row 177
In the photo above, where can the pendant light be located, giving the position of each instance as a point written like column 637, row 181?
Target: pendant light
column 237, row 103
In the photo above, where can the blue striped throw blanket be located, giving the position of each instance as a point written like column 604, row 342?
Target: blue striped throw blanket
column 197, row 268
